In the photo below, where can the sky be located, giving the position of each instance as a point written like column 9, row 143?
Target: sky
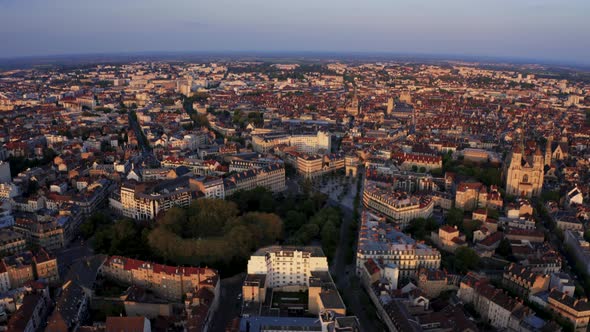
column 556, row 30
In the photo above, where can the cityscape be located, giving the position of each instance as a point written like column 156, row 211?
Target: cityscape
column 287, row 191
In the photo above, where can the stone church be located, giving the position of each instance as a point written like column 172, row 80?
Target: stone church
column 524, row 172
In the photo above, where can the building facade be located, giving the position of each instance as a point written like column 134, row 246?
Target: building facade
column 379, row 240
column 169, row 282
column 524, row 173
column 399, row 206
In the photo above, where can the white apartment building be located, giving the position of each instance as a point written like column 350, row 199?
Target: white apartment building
column 287, row 266
column 321, row 142
column 304, row 143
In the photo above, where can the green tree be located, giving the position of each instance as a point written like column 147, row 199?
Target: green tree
column 294, row 220
column 200, row 120
column 504, row 249
column 208, row 217
column 466, row 259
column 175, row 220
column 455, row 217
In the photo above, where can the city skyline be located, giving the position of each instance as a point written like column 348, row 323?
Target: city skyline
column 538, row 30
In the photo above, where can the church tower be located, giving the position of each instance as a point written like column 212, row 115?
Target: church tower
column 353, row 109
column 538, row 159
column 525, row 173
column 548, row 151
column 390, row 106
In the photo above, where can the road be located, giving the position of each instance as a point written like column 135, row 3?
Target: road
column 357, row 301
column 76, row 250
column 229, row 304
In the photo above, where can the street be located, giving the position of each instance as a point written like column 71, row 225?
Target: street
column 229, row 304
column 76, row 250
column 344, row 275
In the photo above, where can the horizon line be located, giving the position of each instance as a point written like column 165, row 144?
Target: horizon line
column 336, row 54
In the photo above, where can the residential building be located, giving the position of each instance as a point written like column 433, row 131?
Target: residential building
column 144, row 202
column 574, row 310
column 580, row 248
column 292, row 269
column 382, row 241
column 271, row 177
column 522, row 281
column 12, row 242
column 399, row 206
column 31, row 314
column 48, row 235
column 416, row 161
column 284, row 266
column 168, row 282
column 433, row 282
column 5, row 176
column 211, row 186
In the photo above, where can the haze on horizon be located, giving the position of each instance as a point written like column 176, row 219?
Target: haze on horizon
column 550, row 30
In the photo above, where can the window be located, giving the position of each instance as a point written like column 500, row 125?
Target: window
column 525, row 178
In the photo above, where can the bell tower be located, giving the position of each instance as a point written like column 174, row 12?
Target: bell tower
column 548, row 151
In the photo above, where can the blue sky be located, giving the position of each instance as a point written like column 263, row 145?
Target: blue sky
column 538, row 29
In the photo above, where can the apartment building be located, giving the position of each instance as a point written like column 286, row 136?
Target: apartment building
column 575, row 310
column 579, row 246
column 380, row 240
column 522, row 281
column 145, row 201
column 292, row 269
column 320, row 142
column 271, row 177
column 398, row 206
column 408, row 161
column 240, row 165
column 4, row 277
column 287, row 266
column 470, row 196
column 12, row 242
column 168, row 282
column 310, row 166
column 211, row 186
column 434, row 282
column 46, row 268
column 448, row 238
column 5, row 176
column 494, row 305
column 198, row 167
column 27, row 266
column 266, row 142
column 48, row 235
column 8, row 190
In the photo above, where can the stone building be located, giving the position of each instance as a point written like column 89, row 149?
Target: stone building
column 524, row 172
